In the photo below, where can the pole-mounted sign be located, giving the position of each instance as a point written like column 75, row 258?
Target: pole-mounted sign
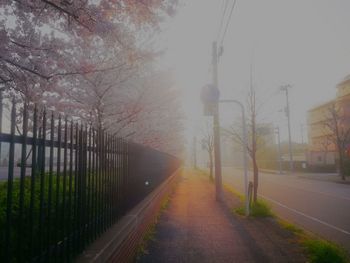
column 210, row 96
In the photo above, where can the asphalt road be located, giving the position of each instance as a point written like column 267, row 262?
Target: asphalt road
column 318, row 206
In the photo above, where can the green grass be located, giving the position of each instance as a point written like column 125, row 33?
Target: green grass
column 316, row 249
column 164, row 205
column 150, row 235
column 239, row 210
column 59, row 201
column 260, row 209
column 230, row 189
column 257, row 209
column 321, row 251
column 290, row 227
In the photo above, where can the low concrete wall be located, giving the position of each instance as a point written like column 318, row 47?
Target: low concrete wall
column 120, row 242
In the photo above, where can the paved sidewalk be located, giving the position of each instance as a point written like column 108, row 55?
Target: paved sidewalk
column 196, row 228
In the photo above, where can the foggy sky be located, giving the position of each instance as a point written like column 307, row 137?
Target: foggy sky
column 305, row 43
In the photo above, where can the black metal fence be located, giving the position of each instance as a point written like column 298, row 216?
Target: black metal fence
column 67, row 183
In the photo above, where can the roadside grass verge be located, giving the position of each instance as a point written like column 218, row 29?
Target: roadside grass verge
column 257, row 209
column 150, row 235
column 204, row 173
column 231, row 190
column 290, row 227
column 261, row 209
column 316, row 249
column 322, row 251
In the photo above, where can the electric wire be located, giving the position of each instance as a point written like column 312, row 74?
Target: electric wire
column 222, row 18
column 228, row 22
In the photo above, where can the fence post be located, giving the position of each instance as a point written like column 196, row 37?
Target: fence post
column 81, row 195
column 8, row 241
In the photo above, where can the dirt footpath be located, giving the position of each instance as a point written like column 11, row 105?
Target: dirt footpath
column 196, row 228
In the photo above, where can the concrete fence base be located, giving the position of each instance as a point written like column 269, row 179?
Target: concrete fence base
column 120, row 242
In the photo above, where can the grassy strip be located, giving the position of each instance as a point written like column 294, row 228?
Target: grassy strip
column 257, row 209
column 317, row 250
column 204, row 173
column 150, row 234
column 230, row 189
column 322, row 251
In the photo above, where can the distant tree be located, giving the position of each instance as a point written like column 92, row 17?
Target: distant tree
column 338, row 125
column 252, row 150
column 252, row 136
column 325, row 144
column 208, row 145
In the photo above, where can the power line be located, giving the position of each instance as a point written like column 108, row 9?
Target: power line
column 228, row 22
column 222, row 18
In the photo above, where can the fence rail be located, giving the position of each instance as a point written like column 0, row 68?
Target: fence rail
column 73, row 183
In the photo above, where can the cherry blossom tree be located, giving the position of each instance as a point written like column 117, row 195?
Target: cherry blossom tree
column 156, row 118
column 39, row 38
column 86, row 58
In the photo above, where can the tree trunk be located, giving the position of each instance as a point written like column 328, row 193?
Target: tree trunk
column 256, row 182
column 211, row 167
column 341, row 165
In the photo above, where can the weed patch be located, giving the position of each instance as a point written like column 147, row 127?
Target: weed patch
column 150, row 234
column 290, row 227
column 317, row 250
column 321, row 251
column 240, row 211
column 230, row 189
column 260, row 209
column 257, row 209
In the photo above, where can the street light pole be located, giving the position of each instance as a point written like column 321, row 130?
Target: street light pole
column 216, row 128
column 245, row 161
column 291, row 165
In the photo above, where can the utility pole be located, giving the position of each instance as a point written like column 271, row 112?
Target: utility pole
column 302, row 133
column 277, row 129
column 291, row 165
column 195, row 152
column 216, row 127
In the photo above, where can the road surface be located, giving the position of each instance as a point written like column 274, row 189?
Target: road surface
column 318, row 206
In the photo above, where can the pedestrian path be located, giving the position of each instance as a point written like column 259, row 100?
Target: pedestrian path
column 196, row 228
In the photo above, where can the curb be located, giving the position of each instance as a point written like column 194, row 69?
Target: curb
column 119, row 243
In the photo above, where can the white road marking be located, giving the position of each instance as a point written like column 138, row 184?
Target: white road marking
column 301, row 188
column 305, row 215
column 308, row 190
